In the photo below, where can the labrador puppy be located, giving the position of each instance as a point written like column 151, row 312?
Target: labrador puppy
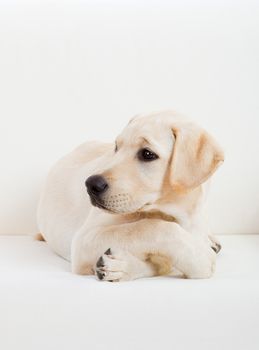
column 144, row 214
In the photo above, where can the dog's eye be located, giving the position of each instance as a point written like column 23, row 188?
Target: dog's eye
column 116, row 148
column 146, row 155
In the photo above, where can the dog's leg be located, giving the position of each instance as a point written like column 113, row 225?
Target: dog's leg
column 139, row 249
column 121, row 265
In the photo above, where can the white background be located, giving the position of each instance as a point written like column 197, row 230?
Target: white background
column 71, row 71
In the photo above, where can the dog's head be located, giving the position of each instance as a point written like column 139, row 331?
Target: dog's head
column 154, row 152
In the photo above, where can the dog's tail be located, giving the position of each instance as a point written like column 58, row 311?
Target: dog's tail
column 39, row 237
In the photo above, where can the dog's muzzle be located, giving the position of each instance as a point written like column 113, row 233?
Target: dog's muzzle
column 96, row 186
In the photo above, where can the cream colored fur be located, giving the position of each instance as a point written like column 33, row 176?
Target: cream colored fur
column 155, row 219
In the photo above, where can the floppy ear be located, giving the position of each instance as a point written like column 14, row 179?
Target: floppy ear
column 196, row 156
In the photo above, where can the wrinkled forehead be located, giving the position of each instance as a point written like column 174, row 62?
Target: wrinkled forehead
column 147, row 132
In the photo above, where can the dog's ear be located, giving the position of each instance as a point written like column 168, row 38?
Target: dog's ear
column 196, row 156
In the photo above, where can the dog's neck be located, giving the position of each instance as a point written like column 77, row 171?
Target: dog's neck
column 155, row 214
column 174, row 208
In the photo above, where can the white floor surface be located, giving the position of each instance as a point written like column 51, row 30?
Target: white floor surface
column 44, row 306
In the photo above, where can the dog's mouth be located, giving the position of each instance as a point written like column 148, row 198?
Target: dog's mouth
column 97, row 202
column 118, row 204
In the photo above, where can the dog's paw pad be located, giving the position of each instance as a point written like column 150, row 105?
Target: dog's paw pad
column 216, row 247
column 100, row 274
column 100, row 262
column 108, row 252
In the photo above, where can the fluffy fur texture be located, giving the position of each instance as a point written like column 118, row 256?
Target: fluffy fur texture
column 153, row 218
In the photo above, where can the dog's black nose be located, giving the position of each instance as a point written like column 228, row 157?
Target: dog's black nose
column 96, row 185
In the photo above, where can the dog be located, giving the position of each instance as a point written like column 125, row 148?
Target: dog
column 135, row 208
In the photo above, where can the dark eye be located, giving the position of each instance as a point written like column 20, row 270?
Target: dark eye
column 146, row 155
column 116, row 148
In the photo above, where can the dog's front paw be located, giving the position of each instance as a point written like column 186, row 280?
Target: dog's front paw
column 112, row 266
